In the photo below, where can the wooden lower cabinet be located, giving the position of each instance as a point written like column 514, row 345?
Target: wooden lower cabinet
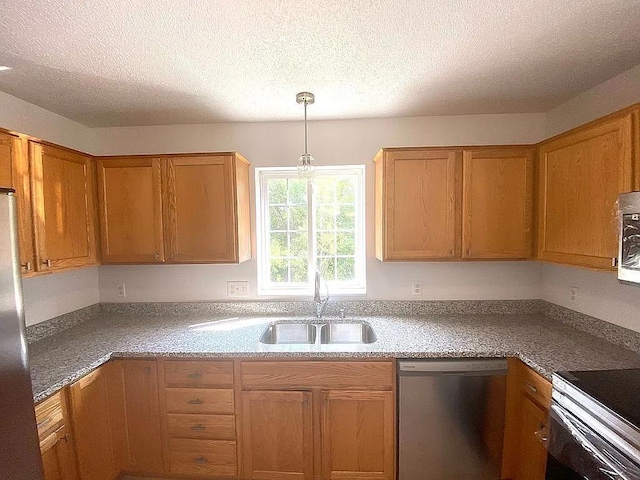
column 56, row 441
column 135, row 415
column 92, row 425
column 277, row 435
column 358, row 435
column 528, row 401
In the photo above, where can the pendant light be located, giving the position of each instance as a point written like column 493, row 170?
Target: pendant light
column 306, row 167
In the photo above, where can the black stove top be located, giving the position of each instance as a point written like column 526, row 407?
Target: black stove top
column 617, row 390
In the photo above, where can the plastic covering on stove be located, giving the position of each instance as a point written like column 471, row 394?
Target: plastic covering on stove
column 631, row 241
column 582, row 450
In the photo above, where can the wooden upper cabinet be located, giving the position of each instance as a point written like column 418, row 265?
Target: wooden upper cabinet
column 277, row 435
column 206, row 209
column 64, row 208
column 497, row 203
column 14, row 173
column 417, row 204
column 582, row 173
column 358, row 435
column 130, row 203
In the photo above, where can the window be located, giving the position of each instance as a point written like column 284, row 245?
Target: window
column 306, row 227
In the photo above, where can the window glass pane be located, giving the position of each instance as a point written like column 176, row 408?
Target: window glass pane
column 300, row 245
column 299, row 270
column 324, row 190
column 326, row 244
column 277, row 191
column 345, row 190
column 297, row 191
column 278, row 218
column 325, row 217
column 278, row 245
column 346, row 243
column 346, row 268
column 279, row 270
column 326, row 266
column 346, row 217
column 298, row 218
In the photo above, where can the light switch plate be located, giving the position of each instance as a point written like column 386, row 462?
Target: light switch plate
column 238, row 289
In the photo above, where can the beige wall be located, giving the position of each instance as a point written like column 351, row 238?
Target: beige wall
column 332, row 143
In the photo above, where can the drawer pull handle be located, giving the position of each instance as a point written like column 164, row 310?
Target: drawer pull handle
column 200, row 460
column 198, row 428
column 531, row 387
column 195, row 375
column 197, row 401
column 43, row 422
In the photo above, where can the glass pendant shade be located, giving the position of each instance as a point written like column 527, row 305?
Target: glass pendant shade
column 306, row 166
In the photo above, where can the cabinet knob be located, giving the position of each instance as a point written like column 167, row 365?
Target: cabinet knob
column 195, row 375
column 531, row 387
column 27, row 266
column 200, row 460
column 469, row 252
column 47, row 263
column 197, row 401
column 198, row 428
column 614, row 262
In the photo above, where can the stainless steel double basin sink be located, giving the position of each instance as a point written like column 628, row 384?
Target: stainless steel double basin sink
column 307, row 333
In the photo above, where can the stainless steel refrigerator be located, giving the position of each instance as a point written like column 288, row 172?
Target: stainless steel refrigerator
column 19, row 446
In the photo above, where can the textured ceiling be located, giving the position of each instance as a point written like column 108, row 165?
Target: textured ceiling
column 146, row 62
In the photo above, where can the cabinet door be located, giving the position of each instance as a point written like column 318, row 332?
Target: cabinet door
column 497, row 203
column 64, row 208
column 358, row 438
column 581, row 175
column 92, row 426
column 420, row 202
column 58, row 459
column 14, row 173
column 532, row 456
column 200, row 210
column 135, row 413
column 130, row 202
column 278, row 435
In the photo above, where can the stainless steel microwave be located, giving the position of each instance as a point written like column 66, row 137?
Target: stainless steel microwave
column 629, row 240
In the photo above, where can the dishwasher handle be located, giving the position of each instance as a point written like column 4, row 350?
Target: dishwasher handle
column 491, row 366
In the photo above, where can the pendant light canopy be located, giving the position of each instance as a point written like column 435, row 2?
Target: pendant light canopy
column 306, row 163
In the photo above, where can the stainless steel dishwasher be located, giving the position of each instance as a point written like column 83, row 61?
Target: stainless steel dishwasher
column 451, row 418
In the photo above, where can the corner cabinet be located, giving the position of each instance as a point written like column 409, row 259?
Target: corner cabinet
column 417, row 201
column 63, row 197
column 582, row 172
column 179, row 209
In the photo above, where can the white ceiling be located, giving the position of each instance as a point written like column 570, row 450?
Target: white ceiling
column 150, row 62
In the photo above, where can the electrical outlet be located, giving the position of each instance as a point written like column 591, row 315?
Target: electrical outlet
column 574, row 295
column 417, row 289
column 122, row 290
column 238, row 289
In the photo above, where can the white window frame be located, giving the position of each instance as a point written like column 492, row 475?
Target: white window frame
column 336, row 288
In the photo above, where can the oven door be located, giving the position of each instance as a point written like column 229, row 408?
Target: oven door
column 577, row 452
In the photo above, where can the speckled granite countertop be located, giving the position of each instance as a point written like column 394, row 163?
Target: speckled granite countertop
column 543, row 343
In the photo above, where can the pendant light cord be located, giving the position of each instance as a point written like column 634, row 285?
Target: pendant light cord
column 305, row 127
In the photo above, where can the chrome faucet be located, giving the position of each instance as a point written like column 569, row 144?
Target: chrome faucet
column 321, row 303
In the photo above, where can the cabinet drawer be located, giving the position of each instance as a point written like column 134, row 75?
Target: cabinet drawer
column 535, row 386
column 202, row 457
column 324, row 375
column 198, row 374
column 215, row 427
column 199, row 400
column 49, row 416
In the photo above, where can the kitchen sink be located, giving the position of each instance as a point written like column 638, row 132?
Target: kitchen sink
column 347, row 333
column 285, row 333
